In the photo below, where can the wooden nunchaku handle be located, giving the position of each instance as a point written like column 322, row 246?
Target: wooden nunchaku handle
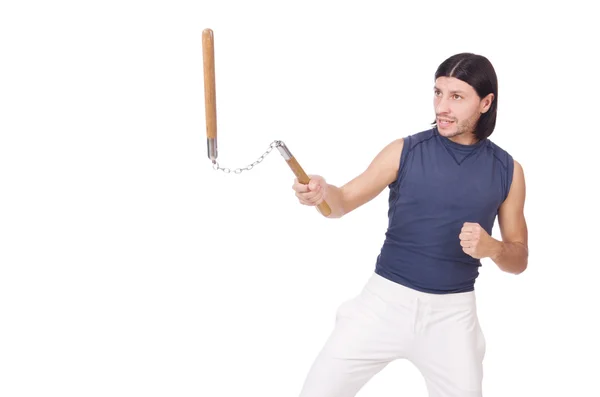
column 210, row 102
column 300, row 174
column 210, row 97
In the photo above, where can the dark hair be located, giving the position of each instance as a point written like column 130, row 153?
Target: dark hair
column 478, row 72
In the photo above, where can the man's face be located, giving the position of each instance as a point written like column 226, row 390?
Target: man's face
column 457, row 107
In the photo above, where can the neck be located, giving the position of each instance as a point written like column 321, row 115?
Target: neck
column 466, row 138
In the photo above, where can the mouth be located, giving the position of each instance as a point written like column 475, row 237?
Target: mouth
column 444, row 122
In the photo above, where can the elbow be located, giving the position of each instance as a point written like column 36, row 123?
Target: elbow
column 513, row 267
column 520, row 268
column 519, row 261
column 525, row 261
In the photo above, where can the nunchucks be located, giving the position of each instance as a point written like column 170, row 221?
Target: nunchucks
column 210, row 102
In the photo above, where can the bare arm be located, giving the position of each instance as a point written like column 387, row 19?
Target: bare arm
column 382, row 171
column 512, row 252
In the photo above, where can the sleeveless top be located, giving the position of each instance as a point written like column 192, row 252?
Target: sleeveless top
column 441, row 185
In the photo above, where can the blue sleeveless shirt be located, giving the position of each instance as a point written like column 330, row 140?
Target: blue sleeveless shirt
column 441, row 185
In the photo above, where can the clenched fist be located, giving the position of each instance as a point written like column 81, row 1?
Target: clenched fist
column 312, row 193
column 476, row 242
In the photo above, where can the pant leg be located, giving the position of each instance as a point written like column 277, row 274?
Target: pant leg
column 450, row 352
column 359, row 347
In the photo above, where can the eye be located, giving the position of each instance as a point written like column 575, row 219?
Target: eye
column 436, row 92
column 456, row 96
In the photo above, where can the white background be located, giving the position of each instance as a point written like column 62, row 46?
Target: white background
column 129, row 267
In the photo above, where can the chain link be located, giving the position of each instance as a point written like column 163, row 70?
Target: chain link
column 226, row 170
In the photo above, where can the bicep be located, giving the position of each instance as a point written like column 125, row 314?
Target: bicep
column 380, row 173
column 511, row 215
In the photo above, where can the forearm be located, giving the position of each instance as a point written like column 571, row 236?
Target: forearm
column 510, row 257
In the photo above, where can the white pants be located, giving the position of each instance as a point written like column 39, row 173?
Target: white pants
column 439, row 334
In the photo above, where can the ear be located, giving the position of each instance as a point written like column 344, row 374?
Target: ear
column 485, row 103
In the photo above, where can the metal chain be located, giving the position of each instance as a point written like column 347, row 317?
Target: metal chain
column 272, row 146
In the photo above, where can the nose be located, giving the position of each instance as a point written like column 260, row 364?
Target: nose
column 441, row 105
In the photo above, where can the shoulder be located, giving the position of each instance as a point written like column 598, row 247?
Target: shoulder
column 390, row 155
column 416, row 139
column 518, row 173
column 516, row 193
column 421, row 136
column 501, row 155
column 515, row 176
column 402, row 145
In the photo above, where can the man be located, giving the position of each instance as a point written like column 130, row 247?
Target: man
column 447, row 186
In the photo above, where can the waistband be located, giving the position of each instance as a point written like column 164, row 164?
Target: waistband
column 394, row 292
